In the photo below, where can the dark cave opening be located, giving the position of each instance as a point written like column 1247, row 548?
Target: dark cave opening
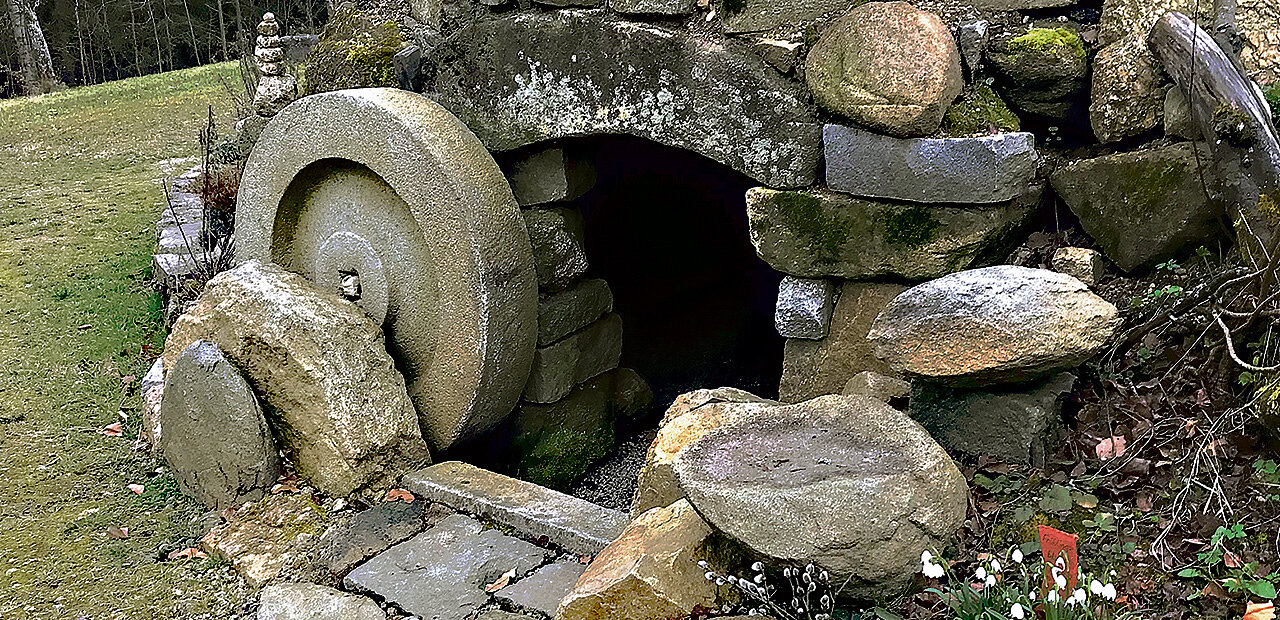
column 667, row 228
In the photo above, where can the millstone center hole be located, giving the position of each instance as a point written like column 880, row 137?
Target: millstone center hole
column 349, row 284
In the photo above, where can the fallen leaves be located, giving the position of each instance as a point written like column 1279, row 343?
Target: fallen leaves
column 1260, row 611
column 117, row 533
column 500, row 582
column 112, row 430
column 137, row 489
column 190, row 553
column 399, row 495
column 1110, row 448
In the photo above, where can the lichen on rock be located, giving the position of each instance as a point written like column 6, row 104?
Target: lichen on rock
column 355, row 51
column 979, row 112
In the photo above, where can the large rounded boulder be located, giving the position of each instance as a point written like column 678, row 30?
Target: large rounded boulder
column 845, row 482
column 1002, row 324
column 888, row 66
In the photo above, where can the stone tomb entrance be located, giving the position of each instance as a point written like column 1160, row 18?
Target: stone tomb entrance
column 510, row 337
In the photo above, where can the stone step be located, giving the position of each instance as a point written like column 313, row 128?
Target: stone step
column 573, row 524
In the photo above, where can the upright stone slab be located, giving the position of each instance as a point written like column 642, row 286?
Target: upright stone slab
column 573, row 524
column 816, row 233
column 1003, row 324
column 217, row 442
column 834, row 481
column 522, row 78
column 336, row 400
column 441, row 573
column 575, row 359
column 948, row 170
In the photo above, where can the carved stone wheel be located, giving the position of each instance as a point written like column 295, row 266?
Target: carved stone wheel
column 386, row 198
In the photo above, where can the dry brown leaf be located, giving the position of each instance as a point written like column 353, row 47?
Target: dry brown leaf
column 584, row 560
column 117, row 533
column 501, row 582
column 190, row 553
column 1110, row 448
column 137, row 489
column 112, row 430
column 1231, row 560
column 401, row 495
column 1260, row 611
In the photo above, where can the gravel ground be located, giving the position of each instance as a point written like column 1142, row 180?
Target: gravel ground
column 612, row 482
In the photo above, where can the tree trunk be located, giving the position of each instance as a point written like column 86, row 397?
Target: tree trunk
column 191, row 26
column 33, row 51
column 222, row 28
column 240, row 36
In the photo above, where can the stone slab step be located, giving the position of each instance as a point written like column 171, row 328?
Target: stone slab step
column 568, row 522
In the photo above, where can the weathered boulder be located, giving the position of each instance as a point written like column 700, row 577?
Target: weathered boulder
column 1178, row 122
column 563, row 313
column 691, row 416
column 804, row 307
column 856, row 68
column 261, row 539
column 1125, row 100
column 836, row 452
column 558, row 253
column 574, row 359
column 322, row 369
column 814, row 234
column 441, row 573
column 550, row 175
column 1009, row 422
column 1125, row 18
column 872, row 384
column 217, row 442
column 653, row 7
column 650, row 571
column 1142, row 207
column 1041, row 70
column 525, row 77
column 307, row 601
column 812, row 368
column 984, row 169
column 1000, row 324
column 1082, row 264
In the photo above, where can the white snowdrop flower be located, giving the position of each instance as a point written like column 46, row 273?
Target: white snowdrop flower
column 1017, row 556
column 1109, row 592
column 1052, row 596
column 995, row 566
column 757, row 567
column 981, row 573
column 991, row 580
column 934, row 571
column 1095, row 587
column 720, row 581
column 1060, row 581
column 1032, row 595
column 1017, row 612
column 702, row 563
column 1079, row 595
column 926, row 557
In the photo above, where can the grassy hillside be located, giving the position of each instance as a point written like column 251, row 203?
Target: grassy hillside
column 79, row 197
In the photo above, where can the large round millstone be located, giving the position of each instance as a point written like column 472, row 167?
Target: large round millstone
column 385, row 197
column 846, row 482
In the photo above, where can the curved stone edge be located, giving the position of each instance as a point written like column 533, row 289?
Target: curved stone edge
column 565, row 79
column 482, row 254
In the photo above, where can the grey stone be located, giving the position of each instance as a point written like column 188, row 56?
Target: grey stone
column 1009, row 422
column 973, row 37
column 781, row 482
column 558, row 253
column 261, row 539
column 563, row 313
column 246, row 135
column 575, row 525
column 769, row 15
column 169, row 268
column 631, row 397
column 855, row 69
column 1019, row 5
column 1125, row 98
column 1142, row 207
column 1002, row 324
column 542, row 591
column 306, row 601
column 524, row 78
column 154, row 377
column 1045, row 77
column 875, row 385
column 812, row 368
column 816, row 234
column 216, row 439
column 653, row 7
column 779, row 54
column 567, row 3
column 408, row 66
column 443, row 222
column 498, row 614
column 574, row 359
column 441, row 573
column 181, row 239
column 550, row 175
column 321, row 367
column 804, row 307
column 1178, row 122
column 369, row 532
column 556, row 443
column 1082, row 264
column 953, row 170
column 274, row 93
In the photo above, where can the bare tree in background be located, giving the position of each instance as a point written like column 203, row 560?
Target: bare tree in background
column 34, row 61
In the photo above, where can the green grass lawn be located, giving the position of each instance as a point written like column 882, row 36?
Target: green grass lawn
column 79, row 197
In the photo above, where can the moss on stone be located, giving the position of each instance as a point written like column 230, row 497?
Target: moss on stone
column 824, row 233
column 1145, row 185
column 914, row 226
column 1272, row 94
column 977, row 112
column 1048, row 41
column 562, row 456
column 1233, row 125
column 355, row 51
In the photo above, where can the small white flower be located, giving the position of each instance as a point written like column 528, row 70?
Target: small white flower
column 1079, row 595
column 926, row 557
column 1109, row 592
column 995, row 566
column 1095, row 587
column 1032, row 594
column 757, row 567
column 991, row 580
column 1017, row 556
column 1017, row 612
column 1060, row 581
column 1052, row 596
column 981, row 573
column 933, row 571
